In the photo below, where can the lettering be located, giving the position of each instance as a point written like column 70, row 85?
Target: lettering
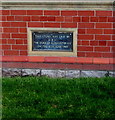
column 54, row 41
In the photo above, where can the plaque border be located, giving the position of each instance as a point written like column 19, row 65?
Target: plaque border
column 52, row 53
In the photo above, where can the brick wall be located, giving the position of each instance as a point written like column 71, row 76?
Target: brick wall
column 96, row 38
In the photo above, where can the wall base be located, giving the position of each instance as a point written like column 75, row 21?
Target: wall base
column 12, row 72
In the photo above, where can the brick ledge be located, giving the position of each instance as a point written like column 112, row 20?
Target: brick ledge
column 42, row 59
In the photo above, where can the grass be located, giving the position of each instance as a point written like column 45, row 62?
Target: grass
column 43, row 97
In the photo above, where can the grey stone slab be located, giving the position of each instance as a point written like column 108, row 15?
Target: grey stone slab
column 38, row 72
column 73, row 73
column 49, row 73
column 28, row 72
column 58, row 5
column 61, row 73
column 112, row 74
column 97, row 74
column 9, row 72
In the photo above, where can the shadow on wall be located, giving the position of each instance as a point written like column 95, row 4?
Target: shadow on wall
column 113, row 32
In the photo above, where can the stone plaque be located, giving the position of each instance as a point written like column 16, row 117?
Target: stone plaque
column 52, row 41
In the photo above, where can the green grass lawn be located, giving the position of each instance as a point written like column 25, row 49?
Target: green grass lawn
column 43, row 97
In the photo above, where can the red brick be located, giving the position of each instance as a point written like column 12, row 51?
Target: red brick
column 10, row 18
column 25, row 41
column 101, row 60
column 93, row 54
column 51, row 12
column 103, row 25
column 110, row 43
column 19, row 42
column 111, row 19
column 0, row 43
column 76, row 19
column 23, row 30
column 23, row 53
column 4, row 18
column 18, row 12
column 34, row 12
column 69, row 13
column 84, row 42
column 5, row 47
column 6, row 12
column 19, row 35
column 112, row 60
column 85, row 48
column 86, row 13
column 6, row 58
column 107, row 67
column 50, row 18
column 18, row 24
column 12, row 65
column 52, row 59
column 58, row 66
column 68, row 60
column 1, row 30
column 59, row 19
column 108, row 31
column 1, row 12
column 107, row 55
column 113, row 36
column 26, row 18
column 73, row 66
column 56, row 25
column 11, row 41
column 35, row 18
column 85, row 37
column 102, row 43
column 81, row 31
column 35, row 24
column 10, row 30
column 19, row 47
column 85, row 19
column 94, row 19
column 102, row 19
column 94, row 43
column 79, row 42
column 113, row 49
column 102, row 37
column 102, row 49
column 91, row 67
column 4, row 41
column 29, row 65
column 86, row 25
column 68, row 25
column 5, row 24
column 6, row 35
column 20, row 58
column 37, row 65
column 94, row 31
column 81, row 54
column 103, row 13
column 84, row 60
column 68, row 19
column 44, row 65
column 18, row 18
column 36, row 59
column 43, row 18
column 113, row 26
